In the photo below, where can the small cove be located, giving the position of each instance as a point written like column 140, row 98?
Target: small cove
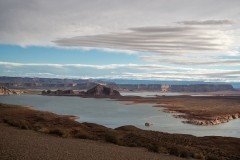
column 113, row 114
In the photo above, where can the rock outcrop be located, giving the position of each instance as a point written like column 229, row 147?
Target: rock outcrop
column 6, row 91
column 148, row 124
column 176, row 88
column 101, row 90
column 81, row 84
column 210, row 120
column 58, row 92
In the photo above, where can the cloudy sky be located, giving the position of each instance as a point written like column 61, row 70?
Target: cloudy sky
column 120, row 39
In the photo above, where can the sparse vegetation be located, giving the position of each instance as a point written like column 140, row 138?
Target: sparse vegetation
column 184, row 154
column 163, row 150
column 82, row 136
column 19, row 123
column 111, row 137
column 153, row 147
column 174, row 151
column 44, row 130
column 199, row 156
column 60, row 132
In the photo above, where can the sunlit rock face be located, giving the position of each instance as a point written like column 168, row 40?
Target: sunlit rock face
column 101, row 90
column 6, row 91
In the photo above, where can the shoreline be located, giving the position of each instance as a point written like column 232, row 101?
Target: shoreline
column 189, row 115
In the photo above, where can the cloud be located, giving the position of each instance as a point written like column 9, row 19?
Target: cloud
column 171, row 40
column 193, row 61
column 100, row 67
column 209, row 22
column 29, row 22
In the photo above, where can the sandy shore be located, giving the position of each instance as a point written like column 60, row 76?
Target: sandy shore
column 28, row 145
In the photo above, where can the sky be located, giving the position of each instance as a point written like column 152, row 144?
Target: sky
column 183, row 40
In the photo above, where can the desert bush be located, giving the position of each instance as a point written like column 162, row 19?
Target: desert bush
column 26, row 125
column 184, row 154
column 163, row 150
column 82, row 136
column 59, row 132
column 111, row 137
column 211, row 157
column 37, row 127
column 132, row 144
column 12, row 122
column 44, row 130
column 191, row 154
column 199, row 156
column 19, row 123
column 174, row 151
column 153, row 147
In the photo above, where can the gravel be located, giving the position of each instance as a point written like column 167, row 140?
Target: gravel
column 31, row 145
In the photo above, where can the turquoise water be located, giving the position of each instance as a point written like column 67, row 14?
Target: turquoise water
column 113, row 114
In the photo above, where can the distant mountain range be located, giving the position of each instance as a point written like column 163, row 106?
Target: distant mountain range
column 117, row 84
column 125, row 81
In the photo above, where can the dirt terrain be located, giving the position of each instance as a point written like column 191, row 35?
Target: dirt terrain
column 182, row 145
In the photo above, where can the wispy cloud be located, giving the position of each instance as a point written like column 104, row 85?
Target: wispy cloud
column 209, row 22
column 193, row 61
column 171, row 40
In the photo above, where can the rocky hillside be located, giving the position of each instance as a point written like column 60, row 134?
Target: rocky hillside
column 101, row 90
column 81, row 84
column 6, row 91
column 176, row 88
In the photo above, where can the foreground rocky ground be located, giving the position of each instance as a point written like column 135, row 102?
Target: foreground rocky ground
column 29, row 145
column 46, row 124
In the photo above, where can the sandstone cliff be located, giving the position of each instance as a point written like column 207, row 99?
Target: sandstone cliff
column 80, row 84
column 101, row 90
column 176, row 88
column 6, row 91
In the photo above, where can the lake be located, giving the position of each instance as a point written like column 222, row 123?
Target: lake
column 113, row 114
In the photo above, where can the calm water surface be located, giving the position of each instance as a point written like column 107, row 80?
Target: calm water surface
column 113, row 114
column 149, row 94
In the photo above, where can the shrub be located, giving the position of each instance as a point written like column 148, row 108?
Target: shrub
column 37, row 127
column 199, row 156
column 44, row 130
column 26, row 125
column 184, row 154
column 164, row 150
column 112, row 138
column 153, row 147
column 174, row 151
column 81, row 136
column 18, row 123
column 211, row 157
column 13, row 122
column 59, row 132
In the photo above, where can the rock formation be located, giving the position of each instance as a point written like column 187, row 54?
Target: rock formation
column 207, row 121
column 6, row 91
column 58, row 92
column 148, row 124
column 176, row 88
column 101, row 90
column 81, row 84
